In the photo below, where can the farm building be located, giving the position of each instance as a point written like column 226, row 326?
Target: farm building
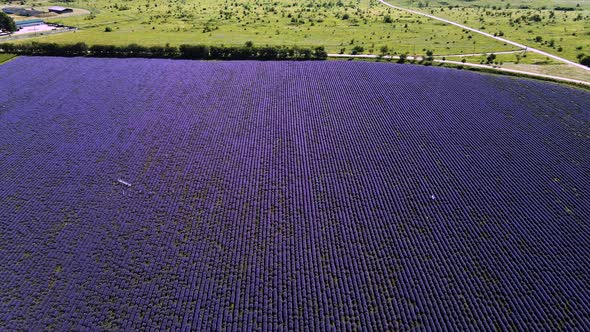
column 60, row 10
column 21, row 11
column 28, row 23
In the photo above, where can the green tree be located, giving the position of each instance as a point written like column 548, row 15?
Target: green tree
column 490, row 59
column 7, row 23
column 402, row 58
column 320, row 53
column 357, row 50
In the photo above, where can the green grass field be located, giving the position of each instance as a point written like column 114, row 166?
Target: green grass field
column 540, row 4
column 6, row 57
column 533, row 63
column 564, row 33
column 337, row 25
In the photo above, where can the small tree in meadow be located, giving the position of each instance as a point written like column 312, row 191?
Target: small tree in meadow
column 490, row 59
column 7, row 23
column 358, row 49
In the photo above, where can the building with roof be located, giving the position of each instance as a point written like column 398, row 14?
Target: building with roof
column 28, row 23
column 21, row 11
column 60, row 10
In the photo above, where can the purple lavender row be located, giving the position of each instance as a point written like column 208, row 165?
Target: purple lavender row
column 194, row 195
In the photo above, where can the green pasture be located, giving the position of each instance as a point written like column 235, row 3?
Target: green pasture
column 338, row 25
column 530, row 62
column 563, row 33
column 544, row 4
column 6, row 57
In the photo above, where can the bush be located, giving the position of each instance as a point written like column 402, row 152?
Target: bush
column 358, row 50
column 402, row 58
column 51, row 49
column 490, row 58
column 103, row 50
column 320, row 53
column 194, row 51
column 184, row 51
column 78, row 49
column 163, row 51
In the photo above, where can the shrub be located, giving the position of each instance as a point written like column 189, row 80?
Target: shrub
column 194, row 51
column 358, row 49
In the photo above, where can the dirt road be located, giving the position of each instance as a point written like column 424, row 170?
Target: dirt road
column 530, row 49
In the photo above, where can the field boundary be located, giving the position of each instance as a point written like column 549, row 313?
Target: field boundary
column 196, row 52
column 472, row 66
column 4, row 58
column 528, row 48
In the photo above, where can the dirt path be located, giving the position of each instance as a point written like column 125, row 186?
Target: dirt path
column 530, row 49
column 514, row 71
column 36, row 34
column 563, row 79
column 476, row 54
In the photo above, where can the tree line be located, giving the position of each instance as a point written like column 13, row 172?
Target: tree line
column 201, row 52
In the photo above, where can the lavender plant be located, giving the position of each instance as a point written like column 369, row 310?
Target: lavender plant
column 184, row 195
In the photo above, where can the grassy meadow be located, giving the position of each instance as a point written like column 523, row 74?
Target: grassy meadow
column 338, row 25
column 6, row 57
column 564, row 33
column 343, row 26
column 539, row 4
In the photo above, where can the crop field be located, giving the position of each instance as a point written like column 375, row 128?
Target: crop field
column 171, row 194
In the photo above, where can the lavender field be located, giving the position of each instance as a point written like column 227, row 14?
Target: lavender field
column 183, row 195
